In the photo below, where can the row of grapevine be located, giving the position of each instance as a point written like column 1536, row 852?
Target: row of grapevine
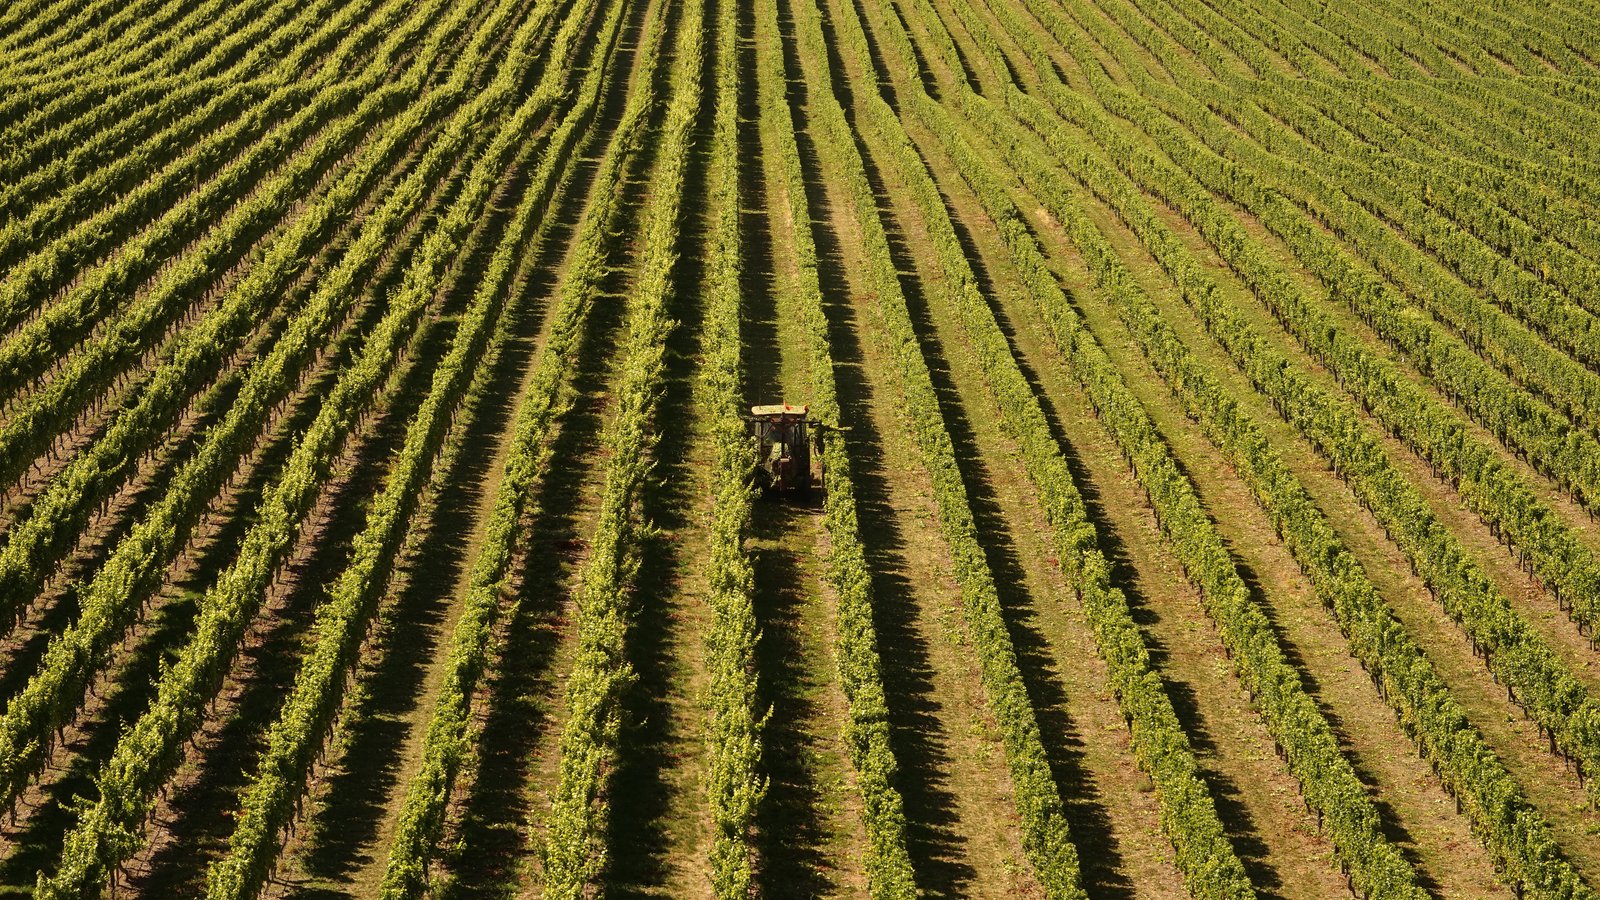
column 113, row 598
column 1514, row 214
column 1437, row 50
column 186, row 55
column 1530, row 274
column 1348, row 37
column 1568, row 455
column 448, row 742
column 1469, row 212
column 1504, row 500
column 31, row 20
column 887, row 864
column 1526, row 123
column 62, row 19
column 1552, row 550
column 1568, row 102
column 1504, row 134
column 1441, row 560
column 735, row 721
column 1045, row 835
column 1218, row 41
column 1157, row 44
column 1399, row 191
column 117, row 591
column 46, row 167
column 1511, row 828
column 31, row 111
column 1503, row 38
column 1152, row 40
column 1421, row 52
column 24, row 20
column 126, row 37
column 1474, row 142
column 574, row 851
column 1329, row 783
column 153, row 46
column 1284, row 33
column 1304, row 51
column 108, row 831
column 298, row 736
column 1223, row 29
column 83, row 25
column 39, row 96
column 1458, row 224
column 1527, row 129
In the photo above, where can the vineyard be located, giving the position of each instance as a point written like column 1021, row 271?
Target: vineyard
column 1206, row 411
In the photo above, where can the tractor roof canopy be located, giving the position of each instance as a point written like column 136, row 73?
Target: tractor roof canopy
column 778, row 409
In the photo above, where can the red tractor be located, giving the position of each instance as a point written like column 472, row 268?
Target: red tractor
column 784, row 442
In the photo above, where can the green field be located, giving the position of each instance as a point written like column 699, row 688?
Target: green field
column 1209, row 446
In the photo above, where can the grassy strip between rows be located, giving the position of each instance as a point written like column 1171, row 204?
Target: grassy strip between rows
column 736, row 721
column 300, row 733
column 108, row 831
column 1045, row 835
column 888, row 863
column 447, row 742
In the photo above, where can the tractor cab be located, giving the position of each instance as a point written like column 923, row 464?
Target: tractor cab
column 784, row 443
